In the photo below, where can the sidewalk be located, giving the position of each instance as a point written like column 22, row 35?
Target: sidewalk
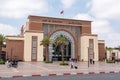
column 50, row 69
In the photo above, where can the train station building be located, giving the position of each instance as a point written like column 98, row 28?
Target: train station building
column 83, row 45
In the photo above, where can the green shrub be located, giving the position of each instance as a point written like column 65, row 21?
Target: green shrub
column 2, row 62
column 48, row 61
column 64, row 63
column 110, row 61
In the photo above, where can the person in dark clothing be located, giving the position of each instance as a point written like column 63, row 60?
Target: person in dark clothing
column 91, row 61
column 15, row 63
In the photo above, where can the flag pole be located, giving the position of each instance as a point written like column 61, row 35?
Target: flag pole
column 62, row 13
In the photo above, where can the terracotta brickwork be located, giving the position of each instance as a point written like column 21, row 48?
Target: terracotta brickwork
column 15, row 49
column 35, row 23
column 85, row 30
column 35, row 26
column 101, row 51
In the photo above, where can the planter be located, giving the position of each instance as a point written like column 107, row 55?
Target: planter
column 2, row 62
column 64, row 63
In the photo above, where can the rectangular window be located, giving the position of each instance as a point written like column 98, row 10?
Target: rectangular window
column 34, row 48
column 91, row 48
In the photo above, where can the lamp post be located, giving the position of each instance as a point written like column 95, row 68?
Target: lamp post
column 88, row 56
column 11, row 53
column 117, row 57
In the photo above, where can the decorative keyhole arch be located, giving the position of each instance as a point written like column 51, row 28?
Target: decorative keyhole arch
column 66, row 35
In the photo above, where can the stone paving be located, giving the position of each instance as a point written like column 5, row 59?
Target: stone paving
column 36, row 68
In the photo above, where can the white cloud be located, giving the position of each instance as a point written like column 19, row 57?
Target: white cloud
column 106, row 32
column 107, row 9
column 104, row 11
column 98, row 26
column 88, row 5
column 8, row 30
column 112, row 39
column 83, row 16
column 22, row 8
column 67, row 3
column 103, row 28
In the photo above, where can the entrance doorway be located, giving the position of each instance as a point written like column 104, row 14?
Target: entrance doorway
column 57, row 55
column 113, row 56
column 69, row 50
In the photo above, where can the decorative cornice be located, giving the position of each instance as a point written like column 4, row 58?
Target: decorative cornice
column 89, row 34
column 15, row 36
column 101, row 41
column 34, row 31
column 33, row 16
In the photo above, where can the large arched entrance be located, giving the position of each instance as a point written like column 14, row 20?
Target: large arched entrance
column 69, row 50
column 65, row 46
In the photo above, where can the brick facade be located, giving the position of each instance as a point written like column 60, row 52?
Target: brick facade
column 15, row 49
column 35, row 26
column 102, row 51
column 36, row 22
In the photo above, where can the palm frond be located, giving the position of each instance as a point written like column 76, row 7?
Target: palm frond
column 46, row 41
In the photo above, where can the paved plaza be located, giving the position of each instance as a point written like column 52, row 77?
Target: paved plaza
column 44, row 69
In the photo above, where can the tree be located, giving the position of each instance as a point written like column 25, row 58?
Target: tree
column 61, row 41
column 109, row 49
column 2, row 39
column 117, row 48
column 45, row 42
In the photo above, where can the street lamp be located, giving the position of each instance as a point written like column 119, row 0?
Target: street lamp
column 88, row 56
column 117, row 55
column 11, row 53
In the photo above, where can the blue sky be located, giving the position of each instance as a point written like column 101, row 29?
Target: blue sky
column 105, row 15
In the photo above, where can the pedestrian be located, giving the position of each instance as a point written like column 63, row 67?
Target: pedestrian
column 71, row 63
column 75, row 66
column 7, row 61
column 93, row 61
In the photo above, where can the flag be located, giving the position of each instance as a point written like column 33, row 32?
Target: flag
column 62, row 12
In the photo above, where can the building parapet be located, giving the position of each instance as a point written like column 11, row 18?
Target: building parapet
column 15, row 37
column 101, row 41
column 89, row 34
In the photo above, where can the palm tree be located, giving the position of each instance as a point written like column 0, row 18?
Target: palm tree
column 45, row 42
column 2, row 38
column 61, row 41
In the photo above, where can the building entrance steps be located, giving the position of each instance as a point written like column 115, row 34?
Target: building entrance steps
column 44, row 69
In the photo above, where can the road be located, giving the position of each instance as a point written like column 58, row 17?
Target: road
column 107, row 76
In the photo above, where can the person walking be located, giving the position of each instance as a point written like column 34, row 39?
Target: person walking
column 71, row 63
column 93, row 61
